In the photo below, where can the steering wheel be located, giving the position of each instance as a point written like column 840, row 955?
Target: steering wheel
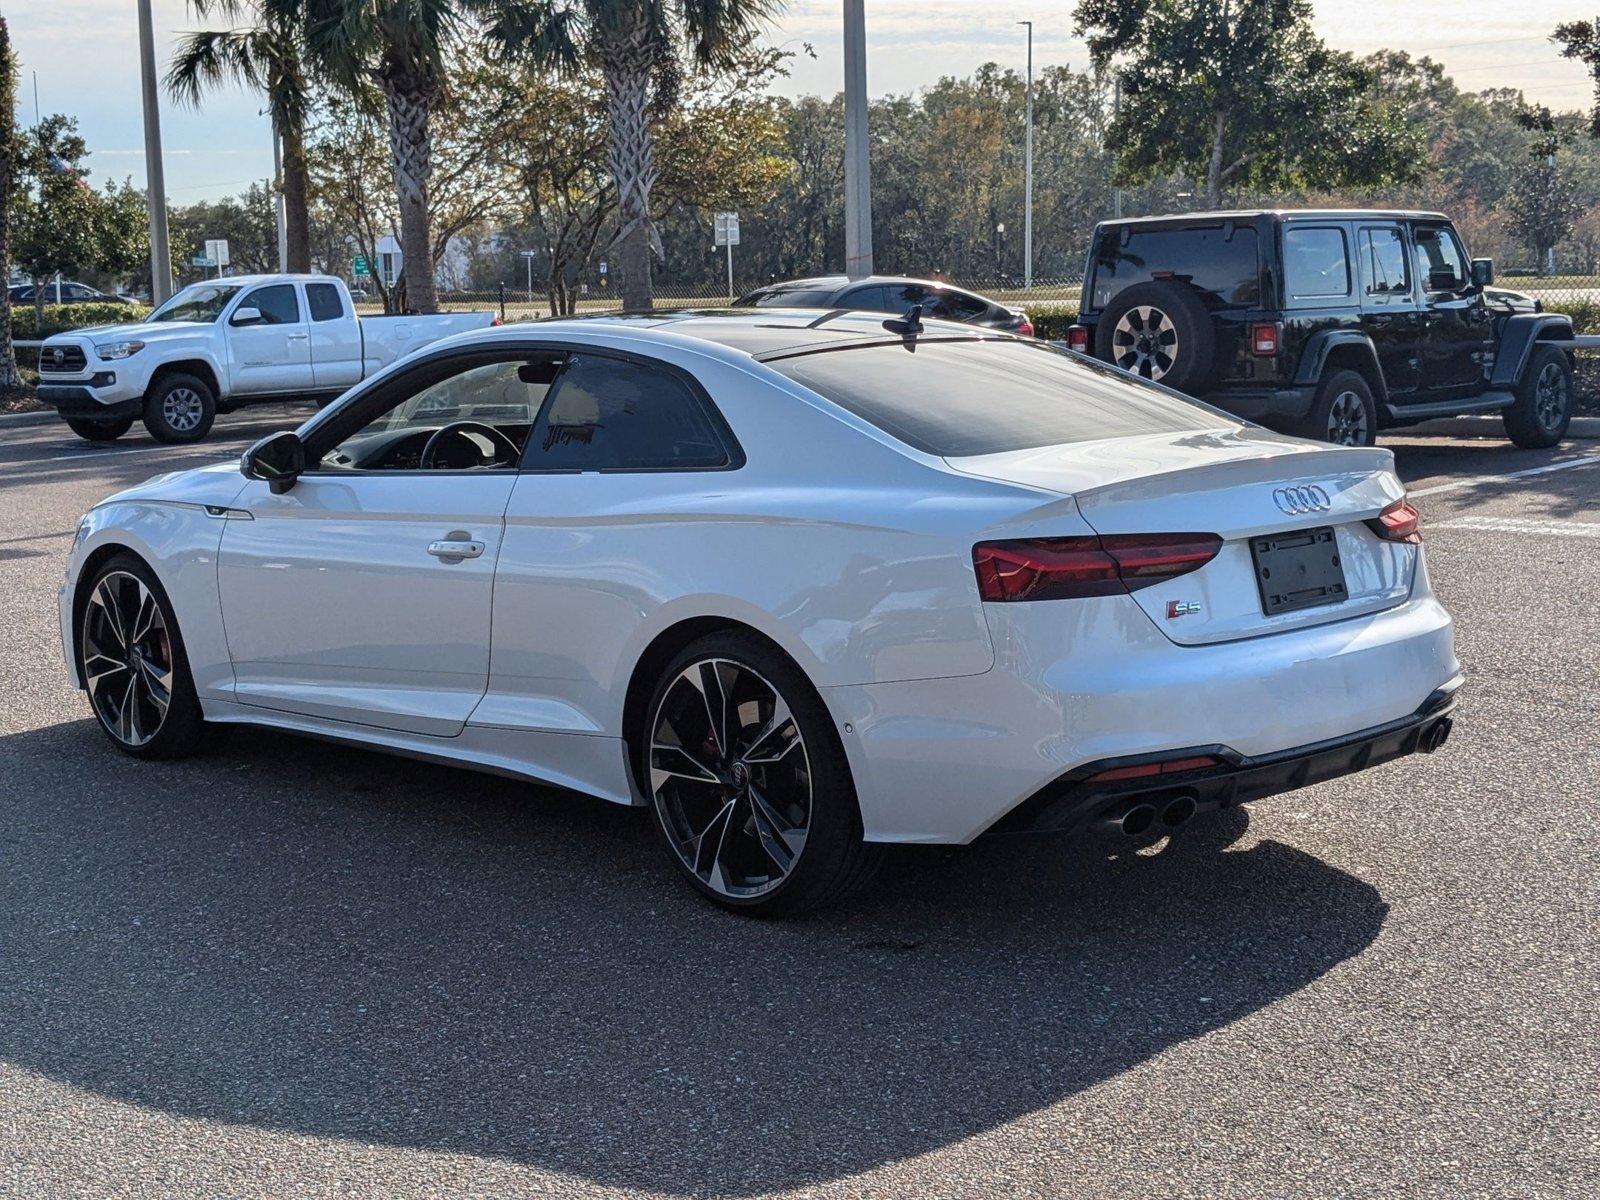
column 503, row 453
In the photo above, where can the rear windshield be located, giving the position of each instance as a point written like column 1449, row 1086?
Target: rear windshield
column 982, row 397
column 1218, row 259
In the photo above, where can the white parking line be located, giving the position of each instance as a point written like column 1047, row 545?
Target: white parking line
column 1578, row 529
column 173, row 451
column 1569, row 464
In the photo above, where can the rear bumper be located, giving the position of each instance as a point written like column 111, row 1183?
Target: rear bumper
column 1079, row 802
column 78, row 400
column 1265, row 405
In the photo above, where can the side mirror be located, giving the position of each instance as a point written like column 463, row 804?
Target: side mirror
column 1483, row 271
column 246, row 316
column 277, row 460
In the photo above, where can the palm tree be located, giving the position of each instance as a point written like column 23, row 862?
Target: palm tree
column 10, row 380
column 636, row 44
column 267, row 54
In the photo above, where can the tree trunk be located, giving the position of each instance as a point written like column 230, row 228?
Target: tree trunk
column 296, row 193
column 626, row 60
column 1214, row 169
column 10, row 380
column 411, row 156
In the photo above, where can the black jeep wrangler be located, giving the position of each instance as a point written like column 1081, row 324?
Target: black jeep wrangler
column 1328, row 324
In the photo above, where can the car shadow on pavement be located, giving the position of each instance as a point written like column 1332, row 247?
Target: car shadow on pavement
column 308, row 938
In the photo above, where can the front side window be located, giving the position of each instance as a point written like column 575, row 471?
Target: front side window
column 1316, row 265
column 610, row 414
column 1440, row 263
column 492, row 402
column 982, row 397
column 198, row 302
column 1383, row 263
column 277, row 304
column 957, row 306
column 324, row 301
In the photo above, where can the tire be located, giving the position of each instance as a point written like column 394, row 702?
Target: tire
column 1160, row 332
column 99, row 431
column 179, row 409
column 775, row 794
column 1543, row 407
column 1344, row 412
column 124, row 589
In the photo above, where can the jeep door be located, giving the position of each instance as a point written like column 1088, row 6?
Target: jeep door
column 1457, row 336
column 1389, row 312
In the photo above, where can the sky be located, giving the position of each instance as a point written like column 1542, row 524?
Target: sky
column 84, row 54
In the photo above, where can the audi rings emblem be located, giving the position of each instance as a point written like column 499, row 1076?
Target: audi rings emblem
column 1302, row 499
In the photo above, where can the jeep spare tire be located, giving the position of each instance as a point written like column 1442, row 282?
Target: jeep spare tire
column 1160, row 332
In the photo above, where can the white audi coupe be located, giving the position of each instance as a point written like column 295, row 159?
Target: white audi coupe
column 802, row 583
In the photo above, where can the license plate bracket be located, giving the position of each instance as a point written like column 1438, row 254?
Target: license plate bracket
column 1298, row 569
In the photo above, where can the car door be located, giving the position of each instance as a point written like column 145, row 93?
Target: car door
column 335, row 338
column 363, row 593
column 270, row 352
column 1389, row 311
column 1457, row 338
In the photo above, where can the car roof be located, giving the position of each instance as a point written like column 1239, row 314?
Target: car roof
column 252, row 280
column 759, row 333
column 1278, row 214
column 844, row 281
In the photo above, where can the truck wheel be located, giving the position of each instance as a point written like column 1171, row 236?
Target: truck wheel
column 1160, row 332
column 1543, row 409
column 179, row 408
column 99, row 431
column 1343, row 413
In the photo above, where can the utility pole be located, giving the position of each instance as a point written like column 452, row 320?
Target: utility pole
column 1116, row 107
column 857, row 166
column 155, row 179
column 1027, row 194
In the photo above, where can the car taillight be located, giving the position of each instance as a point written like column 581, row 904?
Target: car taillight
column 1264, row 339
column 496, row 323
column 1398, row 523
column 1076, row 567
column 1173, row 766
column 1025, row 326
column 1078, row 338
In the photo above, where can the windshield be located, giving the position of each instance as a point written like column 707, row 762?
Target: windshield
column 197, row 302
column 981, row 397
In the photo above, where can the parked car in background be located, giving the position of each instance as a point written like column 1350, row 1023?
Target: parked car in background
column 889, row 294
column 799, row 586
column 1331, row 324
column 71, row 292
column 222, row 343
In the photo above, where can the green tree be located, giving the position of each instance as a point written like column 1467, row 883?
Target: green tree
column 9, row 379
column 1543, row 199
column 1240, row 93
column 248, row 222
column 635, row 45
column 267, row 55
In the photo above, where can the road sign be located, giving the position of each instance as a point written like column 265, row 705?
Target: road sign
column 201, row 260
column 217, row 251
column 725, row 229
column 361, row 266
column 602, row 266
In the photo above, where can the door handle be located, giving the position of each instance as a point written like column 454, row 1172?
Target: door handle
column 298, row 337
column 453, row 549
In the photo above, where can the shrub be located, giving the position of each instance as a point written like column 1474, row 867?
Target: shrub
column 1585, row 313
column 1050, row 321
column 58, row 318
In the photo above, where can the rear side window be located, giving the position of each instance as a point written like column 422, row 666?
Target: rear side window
column 867, row 299
column 1222, row 260
column 277, row 302
column 609, row 414
column 792, row 298
column 324, row 302
column 961, row 398
column 958, row 306
column 1316, row 263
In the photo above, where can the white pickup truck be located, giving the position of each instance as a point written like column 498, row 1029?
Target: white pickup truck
column 223, row 343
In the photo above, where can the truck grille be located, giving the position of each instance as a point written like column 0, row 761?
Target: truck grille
column 61, row 360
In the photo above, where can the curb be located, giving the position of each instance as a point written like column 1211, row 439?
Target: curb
column 1581, row 428
column 27, row 418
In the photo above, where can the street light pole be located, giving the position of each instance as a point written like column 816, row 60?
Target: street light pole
column 857, row 168
column 155, row 179
column 1027, row 194
column 279, row 205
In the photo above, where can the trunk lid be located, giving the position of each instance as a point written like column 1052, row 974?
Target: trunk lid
column 1243, row 486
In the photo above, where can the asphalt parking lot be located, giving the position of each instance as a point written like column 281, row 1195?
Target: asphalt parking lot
column 290, row 968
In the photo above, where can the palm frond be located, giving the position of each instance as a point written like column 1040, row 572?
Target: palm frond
column 211, row 58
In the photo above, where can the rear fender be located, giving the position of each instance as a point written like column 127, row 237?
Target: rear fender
column 1517, row 338
column 1314, row 358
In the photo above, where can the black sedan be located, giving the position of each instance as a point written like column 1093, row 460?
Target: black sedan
column 890, row 294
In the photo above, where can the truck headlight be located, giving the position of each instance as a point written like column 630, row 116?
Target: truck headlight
column 118, row 349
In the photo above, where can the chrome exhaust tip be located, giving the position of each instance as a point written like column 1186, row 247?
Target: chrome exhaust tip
column 1137, row 820
column 1177, row 812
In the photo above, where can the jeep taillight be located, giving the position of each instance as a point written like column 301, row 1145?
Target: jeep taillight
column 1076, row 567
column 1078, row 338
column 1264, row 339
column 1399, row 522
